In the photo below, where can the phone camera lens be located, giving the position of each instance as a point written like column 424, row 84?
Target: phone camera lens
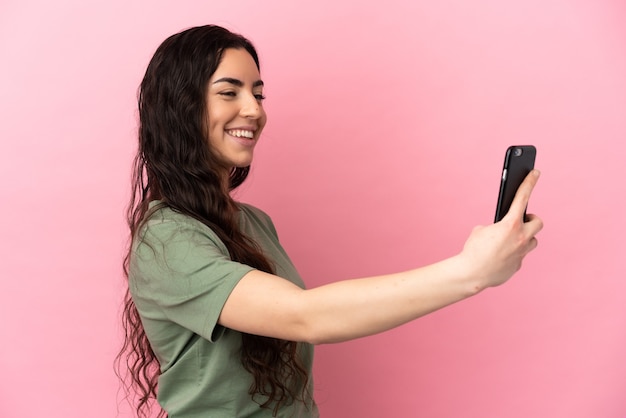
column 517, row 152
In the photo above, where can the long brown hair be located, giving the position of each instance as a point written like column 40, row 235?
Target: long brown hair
column 175, row 165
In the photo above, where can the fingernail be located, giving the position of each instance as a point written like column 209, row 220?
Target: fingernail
column 536, row 173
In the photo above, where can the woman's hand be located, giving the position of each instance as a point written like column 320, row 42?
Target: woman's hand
column 494, row 253
column 264, row 304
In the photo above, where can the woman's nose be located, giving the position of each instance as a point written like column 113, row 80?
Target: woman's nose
column 251, row 108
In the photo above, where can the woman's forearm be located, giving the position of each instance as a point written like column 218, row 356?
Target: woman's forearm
column 267, row 305
column 356, row 308
column 264, row 304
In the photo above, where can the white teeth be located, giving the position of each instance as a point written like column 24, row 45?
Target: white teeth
column 240, row 133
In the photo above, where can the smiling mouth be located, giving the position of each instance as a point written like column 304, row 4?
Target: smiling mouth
column 241, row 133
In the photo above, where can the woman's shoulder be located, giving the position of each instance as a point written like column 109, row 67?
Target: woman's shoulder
column 253, row 215
column 161, row 220
column 161, row 213
column 249, row 209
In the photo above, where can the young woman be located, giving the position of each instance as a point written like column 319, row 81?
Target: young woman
column 216, row 315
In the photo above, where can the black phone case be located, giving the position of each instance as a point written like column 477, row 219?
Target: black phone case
column 518, row 162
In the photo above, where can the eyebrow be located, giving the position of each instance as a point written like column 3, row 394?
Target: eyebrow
column 237, row 82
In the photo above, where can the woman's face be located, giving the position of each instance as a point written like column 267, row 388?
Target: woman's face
column 235, row 108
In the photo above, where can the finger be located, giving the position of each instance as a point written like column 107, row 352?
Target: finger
column 533, row 224
column 532, row 244
column 522, row 196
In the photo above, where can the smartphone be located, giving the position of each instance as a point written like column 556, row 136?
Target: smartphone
column 518, row 162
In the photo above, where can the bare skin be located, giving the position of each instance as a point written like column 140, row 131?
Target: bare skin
column 264, row 304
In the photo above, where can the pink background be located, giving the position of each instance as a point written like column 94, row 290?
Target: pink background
column 387, row 128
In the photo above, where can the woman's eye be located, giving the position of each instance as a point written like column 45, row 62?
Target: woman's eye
column 232, row 94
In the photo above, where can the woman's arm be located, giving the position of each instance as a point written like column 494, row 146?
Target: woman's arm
column 268, row 305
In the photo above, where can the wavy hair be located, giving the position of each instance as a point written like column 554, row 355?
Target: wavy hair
column 174, row 164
